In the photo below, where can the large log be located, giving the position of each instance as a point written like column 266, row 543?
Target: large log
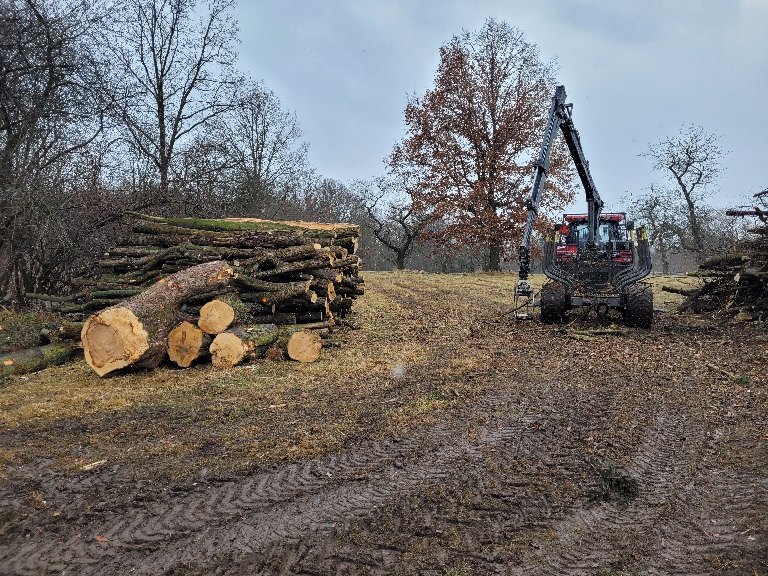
column 35, row 359
column 303, row 346
column 234, row 346
column 135, row 332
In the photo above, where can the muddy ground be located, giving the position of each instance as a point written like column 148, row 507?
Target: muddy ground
column 442, row 437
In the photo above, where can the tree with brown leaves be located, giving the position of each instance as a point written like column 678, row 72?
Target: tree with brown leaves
column 472, row 140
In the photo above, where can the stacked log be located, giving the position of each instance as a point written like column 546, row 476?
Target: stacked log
column 736, row 284
column 272, row 261
column 231, row 289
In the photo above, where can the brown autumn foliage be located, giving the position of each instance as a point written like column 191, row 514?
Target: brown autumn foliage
column 471, row 141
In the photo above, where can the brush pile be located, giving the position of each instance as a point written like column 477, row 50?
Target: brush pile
column 736, row 284
column 234, row 289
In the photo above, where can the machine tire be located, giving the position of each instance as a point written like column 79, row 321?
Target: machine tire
column 553, row 303
column 638, row 310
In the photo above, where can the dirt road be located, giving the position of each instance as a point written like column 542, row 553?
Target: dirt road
column 497, row 448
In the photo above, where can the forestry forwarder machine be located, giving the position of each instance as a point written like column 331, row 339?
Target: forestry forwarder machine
column 592, row 260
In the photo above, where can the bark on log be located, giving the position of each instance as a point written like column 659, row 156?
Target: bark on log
column 324, row 288
column 242, row 343
column 341, row 306
column 135, row 333
column 300, row 305
column 287, row 291
column 313, row 316
column 352, row 262
column 328, row 274
column 244, row 281
column 350, row 243
column 187, row 343
column 279, row 318
column 290, row 268
column 165, row 235
column 229, row 225
column 35, row 359
column 66, row 331
column 234, row 346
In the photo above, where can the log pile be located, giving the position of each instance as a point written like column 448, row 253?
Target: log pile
column 231, row 289
column 736, row 284
column 278, row 266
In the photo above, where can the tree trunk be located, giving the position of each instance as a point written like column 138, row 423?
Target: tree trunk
column 35, row 359
column 135, row 332
column 494, row 257
column 664, row 255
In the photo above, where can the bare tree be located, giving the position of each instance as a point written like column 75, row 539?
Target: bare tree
column 691, row 160
column 660, row 211
column 393, row 218
column 168, row 74
column 47, row 117
column 268, row 155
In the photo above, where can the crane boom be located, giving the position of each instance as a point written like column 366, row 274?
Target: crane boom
column 559, row 118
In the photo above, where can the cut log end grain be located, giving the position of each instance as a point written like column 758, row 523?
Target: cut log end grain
column 187, row 343
column 304, row 346
column 238, row 344
column 228, row 350
column 216, row 316
column 113, row 339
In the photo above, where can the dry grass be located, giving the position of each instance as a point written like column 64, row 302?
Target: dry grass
column 669, row 300
column 422, row 339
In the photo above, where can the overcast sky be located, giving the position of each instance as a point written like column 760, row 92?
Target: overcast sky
column 634, row 71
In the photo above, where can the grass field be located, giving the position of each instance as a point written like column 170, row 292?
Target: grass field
column 441, row 436
column 268, row 411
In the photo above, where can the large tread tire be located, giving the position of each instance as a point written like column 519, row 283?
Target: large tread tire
column 639, row 306
column 553, row 303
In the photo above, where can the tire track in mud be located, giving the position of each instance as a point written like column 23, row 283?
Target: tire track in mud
column 267, row 510
column 720, row 530
column 473, row 515
column 687, row 519
column 591, row 537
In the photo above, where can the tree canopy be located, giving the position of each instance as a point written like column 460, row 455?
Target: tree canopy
column 472, row 139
